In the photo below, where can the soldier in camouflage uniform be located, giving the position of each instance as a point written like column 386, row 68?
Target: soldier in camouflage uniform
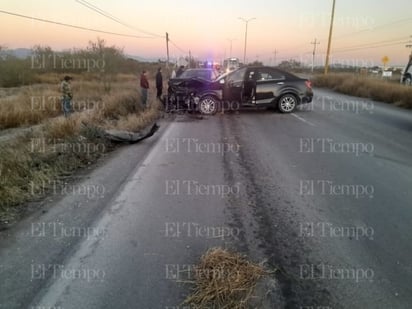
column 66, row 96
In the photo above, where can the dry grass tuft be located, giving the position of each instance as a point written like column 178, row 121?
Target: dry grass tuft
column 29, row 107
column 120, row 105
column 224, row 280
column 137, row 120
column 21, row 171
column 61, row 127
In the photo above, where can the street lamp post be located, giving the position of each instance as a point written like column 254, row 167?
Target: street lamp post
column 246, row 21
column 231, row 42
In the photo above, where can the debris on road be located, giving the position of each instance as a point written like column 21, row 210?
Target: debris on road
column 224, row 279
column 119, row 136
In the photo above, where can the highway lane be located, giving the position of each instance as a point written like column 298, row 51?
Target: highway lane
column 322, row 195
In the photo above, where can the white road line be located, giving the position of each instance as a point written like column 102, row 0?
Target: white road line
column 304, row 120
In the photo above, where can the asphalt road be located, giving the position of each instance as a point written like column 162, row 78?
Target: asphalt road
column 323, row 196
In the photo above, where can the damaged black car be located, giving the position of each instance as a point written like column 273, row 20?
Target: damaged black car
column 245, row 87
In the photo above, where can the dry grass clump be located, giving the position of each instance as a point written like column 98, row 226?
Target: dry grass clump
column 64, row 127
column 136, row 122
column 23, row 170
column 135, row 117
column 224, row 280
column 29, row 163
column 119, row 105
column 125, row 78
column 50, row 78
column 361, row 86
column 55, row 78
column 29, row 107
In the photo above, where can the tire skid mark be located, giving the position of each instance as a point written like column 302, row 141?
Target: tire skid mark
column 265, row 226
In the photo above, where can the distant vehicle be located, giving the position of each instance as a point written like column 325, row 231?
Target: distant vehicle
column 231, row 64
column 249, row 87
column 210, row 65
column 406, row 77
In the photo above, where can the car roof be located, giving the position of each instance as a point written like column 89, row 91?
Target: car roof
column 254, row 67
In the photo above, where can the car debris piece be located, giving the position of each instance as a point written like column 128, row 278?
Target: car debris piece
column 120, row 136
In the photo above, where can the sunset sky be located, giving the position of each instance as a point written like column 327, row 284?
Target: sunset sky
column 364, row 31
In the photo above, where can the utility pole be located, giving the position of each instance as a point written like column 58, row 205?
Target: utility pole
column 330, row 37
column 246, row 21
column 314, row 52
column 409, row 45
column 167, row 48
column 231, row 42
column 190, row 59
column 275, row 52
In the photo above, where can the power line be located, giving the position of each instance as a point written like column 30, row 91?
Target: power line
column 378, row 27
column 369, row 47
column 175, row 45
column 403, row 20
column 74, row 26
column 372, row 45
column 117, row 20
column 101, row 12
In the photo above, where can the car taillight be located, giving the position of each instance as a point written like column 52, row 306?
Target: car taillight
column 308, row 84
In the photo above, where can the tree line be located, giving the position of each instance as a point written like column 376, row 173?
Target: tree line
column 97, row 58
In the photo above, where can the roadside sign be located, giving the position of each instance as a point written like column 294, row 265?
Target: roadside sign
column 385, row 61
column 387, row 74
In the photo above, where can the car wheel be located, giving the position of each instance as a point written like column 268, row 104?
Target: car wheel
column 169, row 102
column 208, row 105
column 408, row 81
column 287, row 103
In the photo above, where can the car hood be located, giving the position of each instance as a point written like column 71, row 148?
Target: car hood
column 177, row 81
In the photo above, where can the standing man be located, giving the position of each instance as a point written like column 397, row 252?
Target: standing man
column 67, row 95
column 159, row 83
column 180, row 71
column 144, row 85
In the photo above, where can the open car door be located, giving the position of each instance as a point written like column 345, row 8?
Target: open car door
column 268, row 83
column 233, row 86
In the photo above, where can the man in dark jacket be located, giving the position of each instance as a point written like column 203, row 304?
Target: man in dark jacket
column 159, row 83
column 180, row 71
column 144, row 87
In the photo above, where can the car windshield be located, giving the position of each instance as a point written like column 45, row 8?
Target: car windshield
column 205, row 74
column 223, row 76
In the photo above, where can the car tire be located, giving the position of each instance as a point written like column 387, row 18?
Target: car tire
column 287, row 103
column 408, row 81
column 169, row 103
column 208, row 105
